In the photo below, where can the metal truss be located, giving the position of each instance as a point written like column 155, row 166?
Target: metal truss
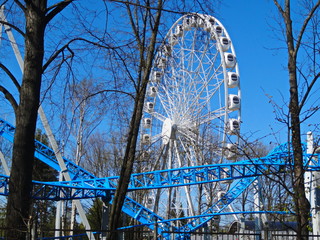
column 45, row 154
column 85, row 185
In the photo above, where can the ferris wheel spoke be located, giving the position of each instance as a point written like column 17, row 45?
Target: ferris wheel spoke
column 198, row 107
column 158, row 116
column 192, row 137
column 198, row 140
column 217, row 114
column 199, row 93
column 156, row 138
column 186, row 188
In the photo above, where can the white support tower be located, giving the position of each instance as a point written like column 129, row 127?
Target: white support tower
column 312, row 184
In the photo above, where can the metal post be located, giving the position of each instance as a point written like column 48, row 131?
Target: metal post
column 155, row 231
column 257, row 209
column 105, row 218
column 4, row 164
column 57, row 232
column 312, row 183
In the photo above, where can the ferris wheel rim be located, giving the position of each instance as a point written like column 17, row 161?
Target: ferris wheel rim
column 221, row 52
column 168, row 102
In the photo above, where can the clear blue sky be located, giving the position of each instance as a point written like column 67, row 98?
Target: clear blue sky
column 261, row 63
column 262, row 67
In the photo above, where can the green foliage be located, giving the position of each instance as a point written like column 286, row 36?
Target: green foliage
column 94, row 214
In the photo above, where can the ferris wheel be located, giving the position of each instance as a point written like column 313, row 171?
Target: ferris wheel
column 192, row 111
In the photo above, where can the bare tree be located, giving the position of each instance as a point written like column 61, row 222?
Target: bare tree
column 39, row 21
column 300, row 51
column 146, row 58
column 37, row 16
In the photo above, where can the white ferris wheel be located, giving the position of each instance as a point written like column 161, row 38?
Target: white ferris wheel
column 192, row 110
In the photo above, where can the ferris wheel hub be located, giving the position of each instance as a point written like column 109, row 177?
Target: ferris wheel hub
column 168, row 131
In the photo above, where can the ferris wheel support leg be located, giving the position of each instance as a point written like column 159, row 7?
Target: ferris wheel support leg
column 64, row 169
column 315, row 202
column 242, row 227
column 57, row 232
column 4, row 164
column 312, row 188
column 257, row 208
column 105, row 217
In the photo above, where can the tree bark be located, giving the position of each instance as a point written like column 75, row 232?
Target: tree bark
column 302, row 205
column 19, row 200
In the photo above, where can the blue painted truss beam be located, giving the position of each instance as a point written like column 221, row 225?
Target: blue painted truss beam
column 172, row 177
column 45, row 154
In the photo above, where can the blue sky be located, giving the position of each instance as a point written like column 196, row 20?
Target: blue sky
column 261, row 63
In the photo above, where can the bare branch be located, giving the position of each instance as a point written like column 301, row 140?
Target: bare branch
column 55, row 9
column 10, row 98
column 105, row 91
column 305, row 97
column 4, row 3
column 13, row 27
column 12, row 77
column 20, row 5
column 133, row 25
column 66, row 46
column 148, row 7
column 279, row 7
column 305, row 24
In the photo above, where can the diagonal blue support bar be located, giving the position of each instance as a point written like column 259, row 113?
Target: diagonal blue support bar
column 47, row 155
column 216, row 208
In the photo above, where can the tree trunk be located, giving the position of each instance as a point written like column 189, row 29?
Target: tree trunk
column 19, row 200
column 302, row 205
column 126, row 168
column 145, row 65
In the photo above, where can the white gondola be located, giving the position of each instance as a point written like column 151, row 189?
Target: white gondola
column 146, row 139
column 173, row 40
column 152, row 91
column 193, row 20
column 231, row 151
column 166, row 50
column 222, row 196
column 233, row 126
column 147, row 122
column 179, row 30
column 156, row 76
column 225, row 43
column 230, row 60
column 161, row 62
column 209, row 24
column 233, row 102
column 150, row 107
column 218, row 30
column 233, row 79
column 200, row 22
column 187, row 23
